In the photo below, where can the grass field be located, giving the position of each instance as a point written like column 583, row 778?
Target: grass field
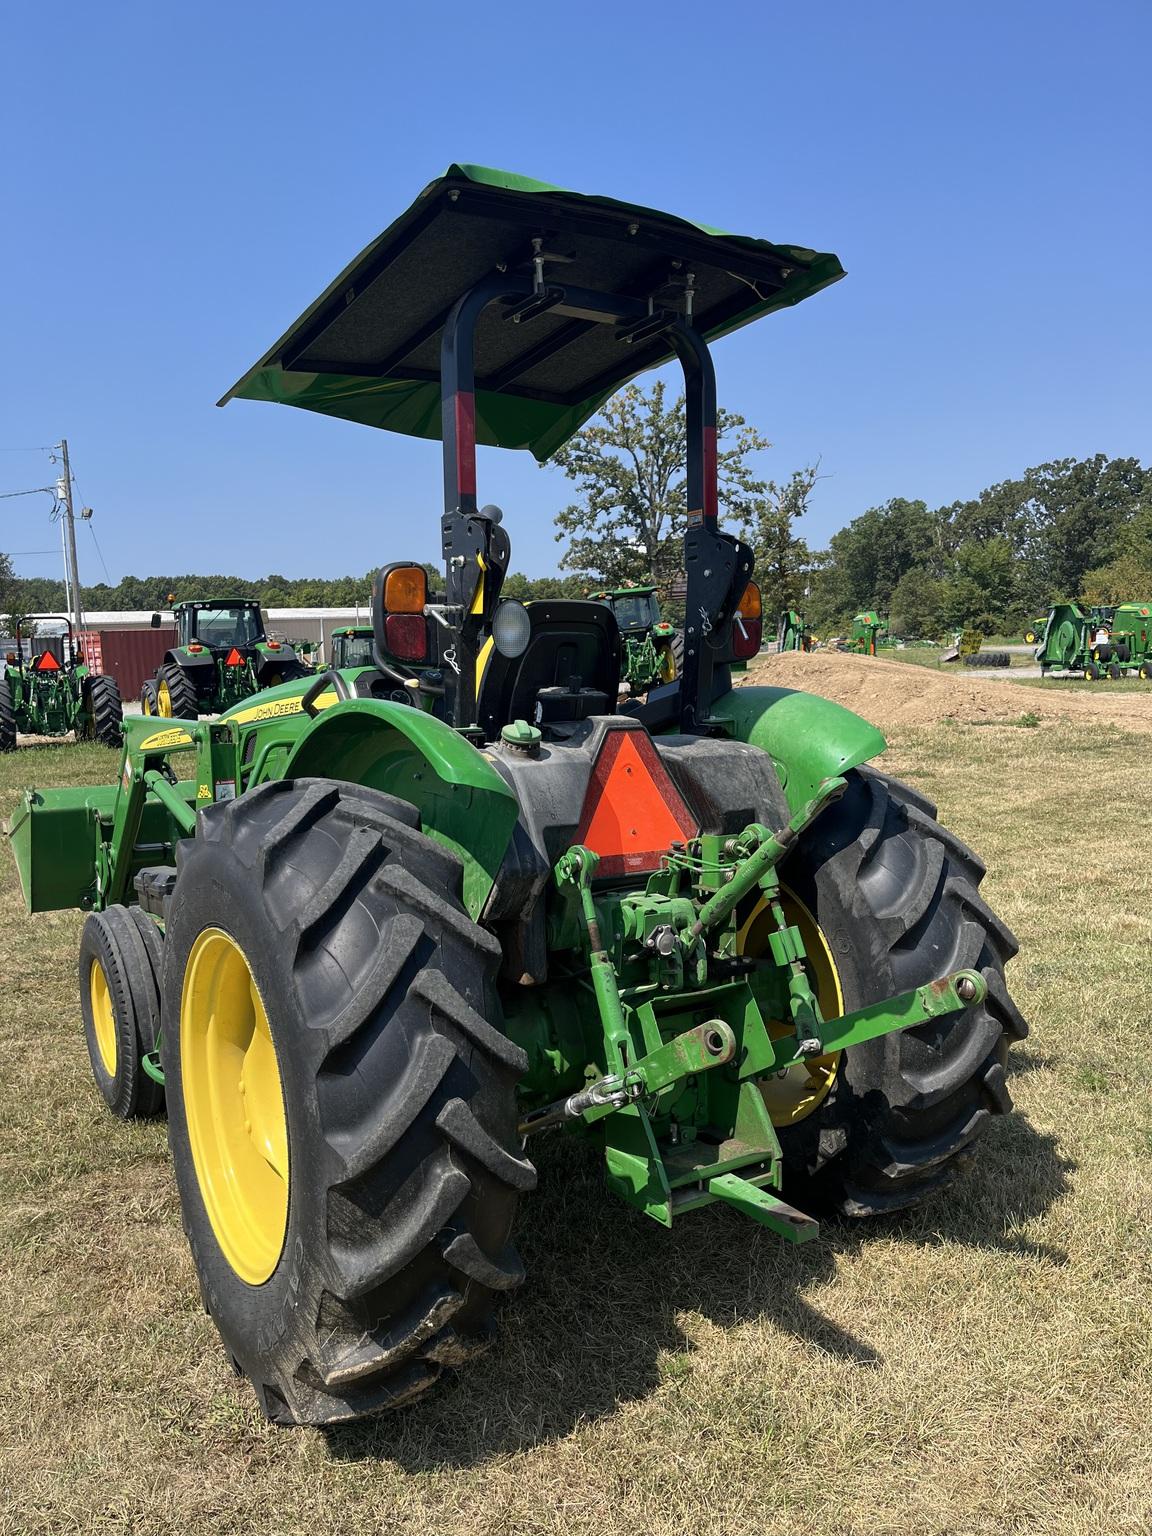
column 982, row 1367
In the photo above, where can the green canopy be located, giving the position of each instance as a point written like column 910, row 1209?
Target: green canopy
column 368, row 349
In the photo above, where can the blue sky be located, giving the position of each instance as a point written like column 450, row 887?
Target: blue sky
column 179, row 181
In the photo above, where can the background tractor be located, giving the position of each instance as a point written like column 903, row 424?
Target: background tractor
column 352, row 647
column 792, row 632
column 222, row 655
column 648, row 642
column 374, row 954
column 48, row 694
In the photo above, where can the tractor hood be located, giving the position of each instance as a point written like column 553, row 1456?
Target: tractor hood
column 368, row 349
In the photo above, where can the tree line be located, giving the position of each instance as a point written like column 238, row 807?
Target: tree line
column 1074, row 528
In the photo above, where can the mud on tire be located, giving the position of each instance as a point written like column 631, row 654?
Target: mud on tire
column 398, row 1085
column 897, row 897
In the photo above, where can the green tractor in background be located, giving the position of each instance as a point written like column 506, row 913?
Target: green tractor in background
column 1097, row 641
column 222, row 655
column 869, row 631
column 43, row 694
column 352, row 647
column 649, row 642
column 792, row 632
column 372, row 954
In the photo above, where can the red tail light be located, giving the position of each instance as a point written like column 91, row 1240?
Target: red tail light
column 406, row 636
column 746, row 637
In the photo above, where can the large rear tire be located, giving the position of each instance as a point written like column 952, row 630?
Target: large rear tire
column 176, row 697
column 105, row 711
column 895, row 896
column 7, row 718
column 401, row 1168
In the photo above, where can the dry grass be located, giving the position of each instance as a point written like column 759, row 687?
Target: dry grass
column 984, row 1367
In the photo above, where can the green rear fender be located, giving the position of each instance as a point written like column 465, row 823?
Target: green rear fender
column 462, row 800
column 807, row 737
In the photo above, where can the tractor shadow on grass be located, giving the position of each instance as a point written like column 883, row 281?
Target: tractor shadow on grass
column 596, row 1324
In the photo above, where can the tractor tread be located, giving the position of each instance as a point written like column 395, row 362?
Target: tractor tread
column 7, row 718
column 907, row 1111
column 418, row 1213
column 106, row 710
column 400, row 1089
column 465, row 1254
column 464, row 1131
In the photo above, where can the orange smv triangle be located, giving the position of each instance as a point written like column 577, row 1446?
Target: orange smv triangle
column 633, row 812
column 234, row 658
column 48, row 663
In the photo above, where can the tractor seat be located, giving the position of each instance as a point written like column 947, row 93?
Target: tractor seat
column 572, row 658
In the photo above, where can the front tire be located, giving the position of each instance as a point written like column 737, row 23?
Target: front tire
column 120, row 1006
column 896, row 898
column 401, row 1167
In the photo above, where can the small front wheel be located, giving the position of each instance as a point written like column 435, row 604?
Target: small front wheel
column 120, row 1005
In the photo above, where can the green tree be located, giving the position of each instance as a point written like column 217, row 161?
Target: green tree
column 867, row 558
column 783, row 560
column 628, row 465
column 919, row 605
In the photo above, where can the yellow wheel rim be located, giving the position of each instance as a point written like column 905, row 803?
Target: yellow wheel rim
column 235, row 1106
column 164, row 700
column 792, row 1095
column 146, row 704
column 103, row 1019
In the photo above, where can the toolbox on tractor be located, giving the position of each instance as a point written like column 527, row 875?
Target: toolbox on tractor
column 402, row 943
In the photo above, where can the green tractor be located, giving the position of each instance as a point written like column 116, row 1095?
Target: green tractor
column 792, row 632
column 649, row 642
column 222, row 655
column 869, row 631
column 352, row 647
column 43, row 694
column 374, row 955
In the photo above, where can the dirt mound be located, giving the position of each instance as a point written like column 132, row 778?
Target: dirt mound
column 893, row 693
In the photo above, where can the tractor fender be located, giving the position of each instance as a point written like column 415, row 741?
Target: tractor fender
column 463, row 802
column 180, row 657
column 808, row 738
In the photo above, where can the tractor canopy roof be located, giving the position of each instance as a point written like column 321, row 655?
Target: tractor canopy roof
column 215, row 602
column 368, row 349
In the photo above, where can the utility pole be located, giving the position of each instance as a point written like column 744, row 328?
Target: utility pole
column 73, row 576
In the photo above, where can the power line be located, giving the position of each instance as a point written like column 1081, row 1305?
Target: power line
column 49, row 490
column 99, row 552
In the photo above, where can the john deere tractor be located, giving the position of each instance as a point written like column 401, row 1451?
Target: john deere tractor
column 792, row 632
column 45, row 694
column 352, row 647
column 648, row 642
column 222, row 655
column 373, row 956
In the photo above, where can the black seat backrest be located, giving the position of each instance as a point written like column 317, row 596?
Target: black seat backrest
column 568, row 639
